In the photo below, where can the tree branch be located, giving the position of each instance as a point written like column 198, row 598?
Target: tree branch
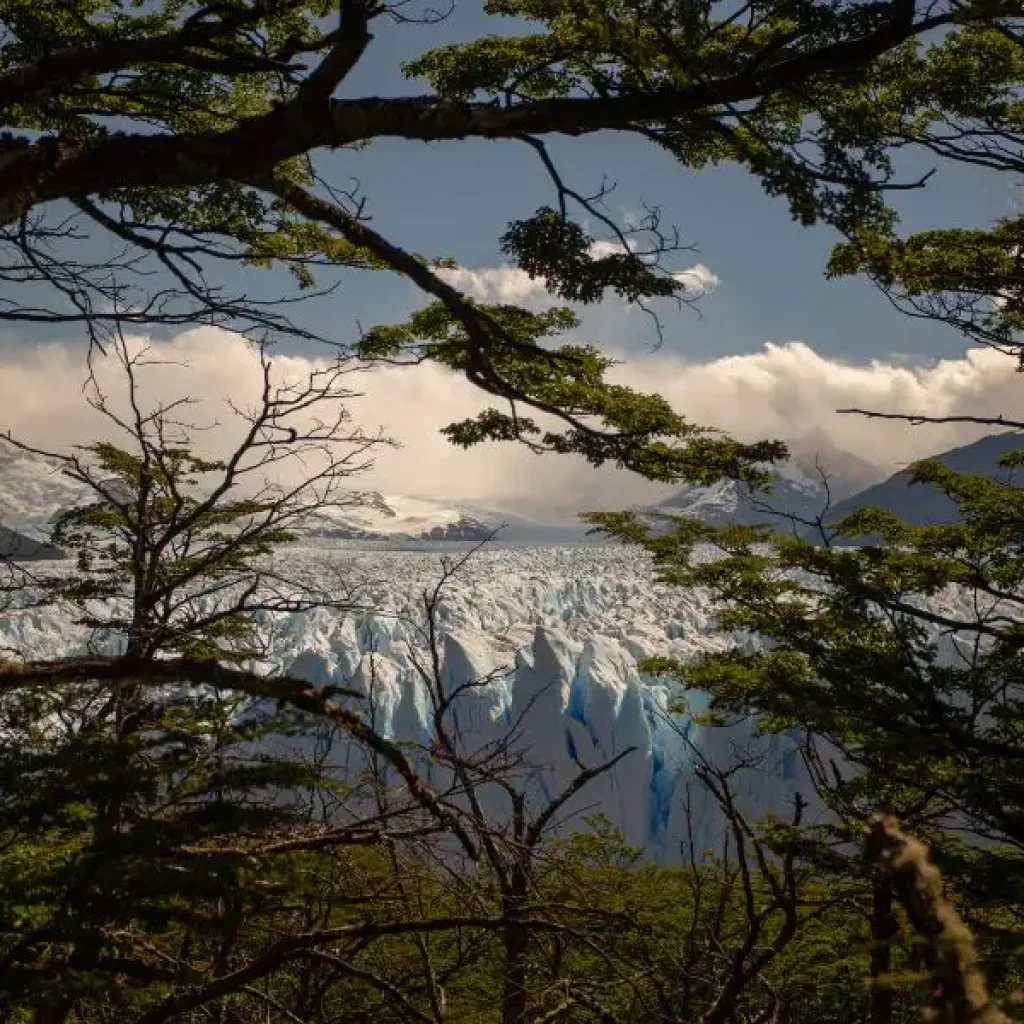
column 916, row 419
column 64, row 168
column 296, row 693
column 959, row 984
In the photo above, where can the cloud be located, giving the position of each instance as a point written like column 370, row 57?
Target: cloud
column 510, row 284
column 698, row 279
column 602, row 247
column 498, row 284
column 789, row 390
column 784, row 390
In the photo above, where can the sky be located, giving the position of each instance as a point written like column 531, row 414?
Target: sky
column 773, row 348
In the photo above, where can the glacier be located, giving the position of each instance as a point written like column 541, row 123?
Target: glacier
column 552, row 637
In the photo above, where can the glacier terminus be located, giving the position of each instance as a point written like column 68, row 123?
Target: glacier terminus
column 537, row 640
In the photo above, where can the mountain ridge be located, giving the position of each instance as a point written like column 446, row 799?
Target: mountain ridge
column 924, row 505
column 801, row 494
column 33, row 492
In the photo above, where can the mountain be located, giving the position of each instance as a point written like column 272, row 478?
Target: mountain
column 18, row 548
column 730, row 502
column 400, row 519
column 800, row 493
column 378, row 517
column 923, row 504
column 33, row 491
column 847, row 473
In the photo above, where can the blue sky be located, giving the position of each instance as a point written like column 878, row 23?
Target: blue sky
column 456, row 199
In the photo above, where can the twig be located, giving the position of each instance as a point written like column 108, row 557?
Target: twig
column 916, row 419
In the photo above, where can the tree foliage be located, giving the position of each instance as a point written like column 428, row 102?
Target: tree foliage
column 895, row 651
column 177, row 842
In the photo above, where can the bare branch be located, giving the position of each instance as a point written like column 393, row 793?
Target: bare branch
column 916, row 419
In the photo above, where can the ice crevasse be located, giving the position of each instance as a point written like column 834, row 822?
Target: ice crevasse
column 550, row 639
column 550, row 664
column 565, row 705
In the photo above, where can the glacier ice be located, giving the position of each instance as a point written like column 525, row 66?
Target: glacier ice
column 540, row 642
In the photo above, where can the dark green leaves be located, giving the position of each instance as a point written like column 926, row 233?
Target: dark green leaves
column 899, row 659
column 556, row 250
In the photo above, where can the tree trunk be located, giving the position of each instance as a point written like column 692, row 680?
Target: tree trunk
column 883, row 929
column 516, row 948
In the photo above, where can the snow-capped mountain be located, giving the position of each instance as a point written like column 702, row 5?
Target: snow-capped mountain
column 728, row 501
column 817, row 473
column 401, row 519
column 32, row 491
column 396, row 518
column 17, row 547
column 801, row 493
column 846, row 473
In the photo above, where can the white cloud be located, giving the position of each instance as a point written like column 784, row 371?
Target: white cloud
column 605, row 247
column 784, row 390
column 788, row 390
column 512, row 285
column 497, row 284
column 698, row 279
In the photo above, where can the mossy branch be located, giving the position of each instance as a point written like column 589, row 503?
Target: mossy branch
column 959, row 991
